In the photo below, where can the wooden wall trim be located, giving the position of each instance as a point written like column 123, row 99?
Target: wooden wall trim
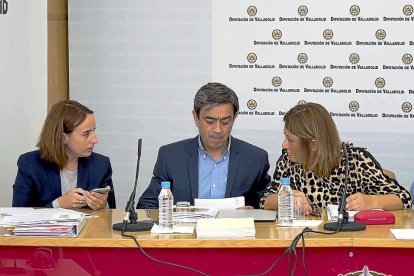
column 57, row 51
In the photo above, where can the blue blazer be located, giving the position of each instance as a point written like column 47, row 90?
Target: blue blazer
column 38, row 182
column 178, row 163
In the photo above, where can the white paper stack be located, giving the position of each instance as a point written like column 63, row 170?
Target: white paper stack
column 226, row 228
column 194, row 214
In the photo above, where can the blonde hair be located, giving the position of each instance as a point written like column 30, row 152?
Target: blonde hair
column 311, row 121
column 63, row 117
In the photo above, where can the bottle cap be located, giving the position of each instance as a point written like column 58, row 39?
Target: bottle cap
column 165, row 184
column 285, row 181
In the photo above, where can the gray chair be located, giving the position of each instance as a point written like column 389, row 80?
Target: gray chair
column 389, row 173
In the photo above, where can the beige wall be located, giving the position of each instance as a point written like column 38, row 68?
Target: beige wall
column 23, row 88
column 57, row 53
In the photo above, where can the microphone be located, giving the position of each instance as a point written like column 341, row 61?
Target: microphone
column 342, row 224
column 130, row 222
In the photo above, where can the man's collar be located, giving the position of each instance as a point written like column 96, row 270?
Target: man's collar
column 200, row 145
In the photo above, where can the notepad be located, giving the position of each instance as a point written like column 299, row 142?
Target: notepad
column 226, row 228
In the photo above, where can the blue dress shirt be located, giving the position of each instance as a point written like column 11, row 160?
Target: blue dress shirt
column 212, row 175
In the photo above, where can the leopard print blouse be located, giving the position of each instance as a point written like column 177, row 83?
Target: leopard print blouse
column 365, row 176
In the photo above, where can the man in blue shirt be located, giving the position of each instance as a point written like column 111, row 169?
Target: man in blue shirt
column 213, row 164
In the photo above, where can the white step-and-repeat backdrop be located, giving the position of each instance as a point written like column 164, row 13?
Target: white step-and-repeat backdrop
column 139, row 64
column 356, row 60
column 23, row 83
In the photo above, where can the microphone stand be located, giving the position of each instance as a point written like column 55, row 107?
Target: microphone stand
column 343, row 224
column 130, row 213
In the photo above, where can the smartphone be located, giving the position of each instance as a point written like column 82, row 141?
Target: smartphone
column 102, row 190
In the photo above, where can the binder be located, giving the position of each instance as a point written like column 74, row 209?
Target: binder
column 24, row 222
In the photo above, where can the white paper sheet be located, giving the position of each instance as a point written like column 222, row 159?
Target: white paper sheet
column 189, row 229
column 35, row 216
column 226, row 228
column 332, row 212
column 303, row 223
column 221, row 203
column 403, row 234
column 194, row 213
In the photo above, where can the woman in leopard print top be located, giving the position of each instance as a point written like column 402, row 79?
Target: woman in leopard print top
column 313, row 159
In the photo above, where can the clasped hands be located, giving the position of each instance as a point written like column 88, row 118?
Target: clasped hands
column 78, row 198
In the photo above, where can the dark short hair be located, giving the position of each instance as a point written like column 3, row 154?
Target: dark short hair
column 63, row 117
column 213, row 94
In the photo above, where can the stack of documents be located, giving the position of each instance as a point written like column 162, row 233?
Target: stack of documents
column 195, row 213
column 256, row 214
column 42, row 222
column 225, row 228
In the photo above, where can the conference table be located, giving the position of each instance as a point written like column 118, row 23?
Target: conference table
column 99, row 250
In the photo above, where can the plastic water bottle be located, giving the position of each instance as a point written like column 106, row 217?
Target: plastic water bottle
column 165, row 205
column 285, row 203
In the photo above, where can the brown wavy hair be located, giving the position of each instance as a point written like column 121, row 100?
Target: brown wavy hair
column 311, row 121
column 63, row 117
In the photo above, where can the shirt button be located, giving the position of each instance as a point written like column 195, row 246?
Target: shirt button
column 215, row 164
column 214, row 185
column 225, row 158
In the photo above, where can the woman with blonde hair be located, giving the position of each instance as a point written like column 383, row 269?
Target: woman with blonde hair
column 64, row 170
column 313, row 159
